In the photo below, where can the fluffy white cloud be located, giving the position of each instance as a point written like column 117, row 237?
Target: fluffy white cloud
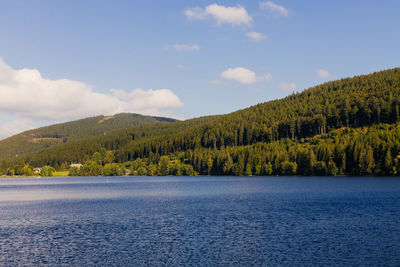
column 235, row 15
column 195, row 13
column 288, row 86
column 323, row 74
column 147, row 102
column 256, row 36
column 14, row 127
column 240, row 74
column 25, row 93
column 243, row 75
column 274, row 8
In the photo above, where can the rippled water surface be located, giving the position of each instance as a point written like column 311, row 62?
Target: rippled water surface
column 201, row 221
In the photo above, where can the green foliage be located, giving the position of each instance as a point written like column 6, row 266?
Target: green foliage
column 248, row 170
column 163, row 165
column 332, row 169
column 112, row 169
column 288, row 168
column 3, row 166
column 108, row 157
column 320, row 168
column 27, row 170
column 47, row 171
column 90, row 168
column 97, row 158
column 73, row 171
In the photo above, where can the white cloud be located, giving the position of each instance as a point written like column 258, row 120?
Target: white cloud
column 323, row 74
column 186, row 47
column 235, row 15
column 180, row 66
column 14, row 127
column 256, row 36
column 195, row 13
column 288, row 86
column 274, row 8
column 243, row 75
column 147, row 102
column 26, row 94
column 183, row 47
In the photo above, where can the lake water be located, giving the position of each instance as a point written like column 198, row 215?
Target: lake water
column 201, row 221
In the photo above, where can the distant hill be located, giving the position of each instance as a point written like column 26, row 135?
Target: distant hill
column 78, row 150
column 45, row 137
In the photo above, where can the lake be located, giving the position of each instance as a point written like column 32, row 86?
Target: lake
column 200, row 221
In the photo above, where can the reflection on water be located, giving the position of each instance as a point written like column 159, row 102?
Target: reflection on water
column 31, row 189
column 202, row 221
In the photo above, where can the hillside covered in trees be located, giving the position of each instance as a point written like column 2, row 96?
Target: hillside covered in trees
column 44, row 137
column 344, row 127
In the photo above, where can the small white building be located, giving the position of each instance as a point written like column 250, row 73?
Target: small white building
column 77, row 165
column 37, row 170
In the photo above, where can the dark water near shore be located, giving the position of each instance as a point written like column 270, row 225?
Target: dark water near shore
column 201, row 221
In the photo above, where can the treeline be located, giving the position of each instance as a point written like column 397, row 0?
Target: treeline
column 361, row 151
column 166, row 165
column 373, row 150
column 19, row 168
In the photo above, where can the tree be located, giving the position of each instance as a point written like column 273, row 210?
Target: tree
column 19, row 167
column 248, row 170
column 267, row 169
column 228, row 165
column 332, row 170
column 10, row 172
column 109, row 157
column 142, row 171
column 27, row 171
column 388, row 163
column 187, row 170
column 320, row 168
column 90, row 168
column 112, row 169
column 3, row 166
column 47, row 171
column 366, row 161
column 288, row 168
column 151, row 169
column 64, row 166
column 209, row 165
column 163, row 165
column 73, row 171
column 97, row 158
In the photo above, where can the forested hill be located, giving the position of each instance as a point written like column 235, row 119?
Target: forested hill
column 352, row 102
column 44, row 137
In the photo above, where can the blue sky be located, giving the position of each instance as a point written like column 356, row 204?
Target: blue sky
column 64, row 60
